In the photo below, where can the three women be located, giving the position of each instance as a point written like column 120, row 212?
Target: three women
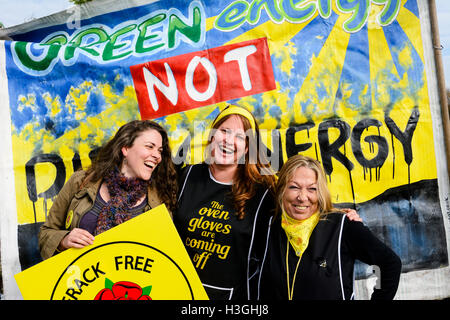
column 224, row 209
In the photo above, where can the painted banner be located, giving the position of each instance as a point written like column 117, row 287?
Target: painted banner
column 350, row 83
column 149, row 262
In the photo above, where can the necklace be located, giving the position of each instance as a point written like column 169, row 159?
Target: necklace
column 291, row 290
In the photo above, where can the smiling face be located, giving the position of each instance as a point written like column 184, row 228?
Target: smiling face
column 300, row 199
column 228, row 143
column 143, row 156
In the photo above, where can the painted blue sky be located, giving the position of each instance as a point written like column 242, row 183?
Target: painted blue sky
column 17, row 12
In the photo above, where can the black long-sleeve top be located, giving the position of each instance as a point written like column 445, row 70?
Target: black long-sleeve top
column 326, row 267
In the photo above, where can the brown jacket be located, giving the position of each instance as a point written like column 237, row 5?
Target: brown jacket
column 76, row 201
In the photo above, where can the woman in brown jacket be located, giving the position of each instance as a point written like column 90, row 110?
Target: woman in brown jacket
column 132, row 173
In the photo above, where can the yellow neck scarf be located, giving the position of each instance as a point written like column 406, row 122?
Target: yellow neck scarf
column 298, row 232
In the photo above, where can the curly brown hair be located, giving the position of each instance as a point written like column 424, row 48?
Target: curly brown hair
column 110, row 156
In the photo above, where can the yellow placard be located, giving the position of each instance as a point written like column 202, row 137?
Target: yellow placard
column 141, row 259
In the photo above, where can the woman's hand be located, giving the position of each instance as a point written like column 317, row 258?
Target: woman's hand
column 77, row 238
column 352, row 215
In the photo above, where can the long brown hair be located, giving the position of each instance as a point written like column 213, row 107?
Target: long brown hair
column 110, row 156
column 255, row 171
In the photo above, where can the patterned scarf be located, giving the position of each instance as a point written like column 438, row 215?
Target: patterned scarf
column 299, row 231
column 124, row 193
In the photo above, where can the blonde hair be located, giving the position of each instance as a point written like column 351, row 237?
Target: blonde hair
column 286, row 173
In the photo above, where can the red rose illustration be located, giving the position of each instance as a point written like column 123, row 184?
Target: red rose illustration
column 123, row 290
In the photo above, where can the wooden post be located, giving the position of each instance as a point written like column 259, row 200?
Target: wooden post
column 437, row 49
